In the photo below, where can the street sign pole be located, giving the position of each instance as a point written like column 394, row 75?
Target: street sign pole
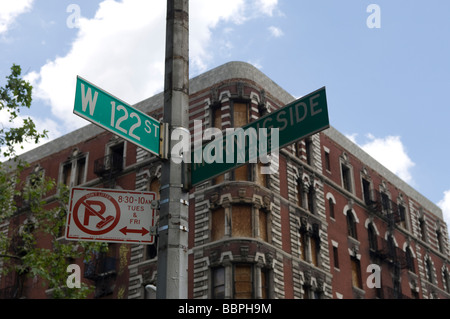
column 174, row 200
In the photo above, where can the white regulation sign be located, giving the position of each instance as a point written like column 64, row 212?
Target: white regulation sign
column 109, row 215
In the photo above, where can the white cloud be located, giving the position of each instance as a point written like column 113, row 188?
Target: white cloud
column 10, row 10
column 390, row 152
column 122, row 50
column 276, row 32
column 444, row 204
column 266, row 6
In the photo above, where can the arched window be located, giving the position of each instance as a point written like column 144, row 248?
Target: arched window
column 373, row 239
column 351, row 225
column 409, row 260
column 429, row 270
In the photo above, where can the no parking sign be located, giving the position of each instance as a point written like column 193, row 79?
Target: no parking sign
column 108, row 215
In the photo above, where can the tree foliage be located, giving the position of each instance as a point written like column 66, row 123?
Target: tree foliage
column 15, row 96
column 39, row 202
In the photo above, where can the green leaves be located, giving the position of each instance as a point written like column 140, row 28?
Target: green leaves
column 35, row 247
column 15, row 96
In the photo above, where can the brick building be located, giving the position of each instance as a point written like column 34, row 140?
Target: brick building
column 317, row 228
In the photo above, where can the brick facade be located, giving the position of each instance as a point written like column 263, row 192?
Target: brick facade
column 310, row 230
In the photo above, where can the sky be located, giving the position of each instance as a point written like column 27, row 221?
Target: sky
column 385, row 64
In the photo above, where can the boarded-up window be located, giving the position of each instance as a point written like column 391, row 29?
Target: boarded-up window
column 241, row 173
column 264, row 284
column 356, row 273
column 217, row 118
column 240, row 118
column 218, row 224
column 260, row 179
column 243, row 282
column 240, row 114
column 219, row 179
column 263, row 225
column 303, row 243
column 241, row 225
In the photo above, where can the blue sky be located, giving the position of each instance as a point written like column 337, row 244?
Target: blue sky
column 387, row 87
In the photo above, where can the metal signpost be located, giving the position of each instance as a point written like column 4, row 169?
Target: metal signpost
column 108, row 215
column 100, row 217
column 297, row 120
column 174, row 210
column 116, row 116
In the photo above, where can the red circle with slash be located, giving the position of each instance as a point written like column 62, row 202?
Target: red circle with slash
column 94, row 209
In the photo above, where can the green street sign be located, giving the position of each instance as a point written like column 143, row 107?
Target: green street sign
column 116, row 116
column 297, row 120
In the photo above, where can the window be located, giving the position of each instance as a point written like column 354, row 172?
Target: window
column 446, row 280
column 327, row 160
column 373, row 240
column 241, row 221
column 309, row 151
column 303, row 245
column 385, row 203
column 217, row 117
column 241, row 118
column 314, row 245
column 117, row 153
column 80, row 171
column 311, row 199
column 310, row 246
column 242, row 173
column 402, row 215
column 392, row 249
column 366, row 191
column 440, row 241
column 422, row 228
column 429, row 270
column 331, row 207
column 218, row 224
column 260, row 179
column 240, row 281
column 356, row 272
column 243, row 283
column 67, row 174
column 336, row 257
column 246, row 221
column 218, row 283
column 409, row 260
column 73, row 172
column 351, row 225
column 346, row 177
column 265, row 284
column 263, row 234
column 300, row 192
column 240, row 114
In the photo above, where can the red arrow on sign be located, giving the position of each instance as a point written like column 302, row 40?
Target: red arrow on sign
column 142, row 231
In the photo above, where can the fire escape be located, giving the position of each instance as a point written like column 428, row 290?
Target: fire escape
column 102, row 270
column 109, row 167
column 384, row 250
column 14, row 280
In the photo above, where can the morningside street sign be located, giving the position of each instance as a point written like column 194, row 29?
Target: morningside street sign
column 297, row 120
column 116, row 116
